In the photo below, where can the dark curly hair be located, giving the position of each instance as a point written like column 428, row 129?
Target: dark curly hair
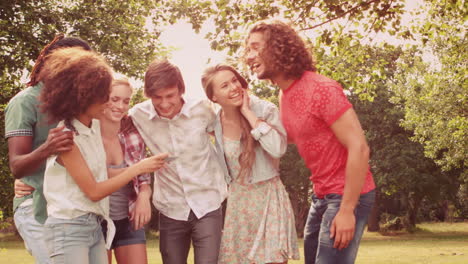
column 74, row 79
column 285, row 51
column 60, row 41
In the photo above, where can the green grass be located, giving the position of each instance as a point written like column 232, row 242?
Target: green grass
column 432, row 243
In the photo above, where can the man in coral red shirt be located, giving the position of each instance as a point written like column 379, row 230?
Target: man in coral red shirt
column 320, row 120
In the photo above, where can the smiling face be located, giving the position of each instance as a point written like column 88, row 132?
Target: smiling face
column 255, row 56
column 227, row 89
column 119, row 102
column 167, row 101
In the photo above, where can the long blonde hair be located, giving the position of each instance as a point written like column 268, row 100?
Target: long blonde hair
column 248, row 143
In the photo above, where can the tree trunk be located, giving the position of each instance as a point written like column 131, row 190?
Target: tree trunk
column 412, row 212
column 374, row 217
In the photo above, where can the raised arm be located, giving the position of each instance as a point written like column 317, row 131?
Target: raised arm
column 270, row 131
column 95, row 191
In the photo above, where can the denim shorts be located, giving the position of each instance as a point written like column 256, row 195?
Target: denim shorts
column 124, row 234
column 75, row 241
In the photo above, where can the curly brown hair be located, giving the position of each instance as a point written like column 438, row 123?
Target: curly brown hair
column 285, row 51
column 248, row 143
column 74, row 79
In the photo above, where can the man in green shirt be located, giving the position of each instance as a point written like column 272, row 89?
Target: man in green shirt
column 31, row 139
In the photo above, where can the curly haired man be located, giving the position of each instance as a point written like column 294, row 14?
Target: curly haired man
column 322, row 123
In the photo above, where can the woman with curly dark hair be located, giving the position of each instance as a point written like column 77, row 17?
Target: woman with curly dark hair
column 76, row 90
column 320, row 120
column 31, row 139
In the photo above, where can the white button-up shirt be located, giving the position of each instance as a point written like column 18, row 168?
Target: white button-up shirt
column 194, row 180
column 65, row 200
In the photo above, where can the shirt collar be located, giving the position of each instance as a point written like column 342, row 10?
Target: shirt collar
column 84, row 130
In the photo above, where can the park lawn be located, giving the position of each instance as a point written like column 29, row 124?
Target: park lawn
column 432, row 243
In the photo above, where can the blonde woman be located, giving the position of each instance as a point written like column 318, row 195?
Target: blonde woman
column 130, row 206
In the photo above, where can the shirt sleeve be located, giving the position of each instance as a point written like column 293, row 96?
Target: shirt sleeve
column 270, row 133
column 20, row 116
column 134, row 150
column 330, row 102
column 210, row 116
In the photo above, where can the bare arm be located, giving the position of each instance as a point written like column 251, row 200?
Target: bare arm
column 141, row 214
column 349, row 132
column 24, row 160
column 111, row 172
column 95, row 191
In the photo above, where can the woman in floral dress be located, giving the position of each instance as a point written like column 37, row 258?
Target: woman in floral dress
column 259, row 226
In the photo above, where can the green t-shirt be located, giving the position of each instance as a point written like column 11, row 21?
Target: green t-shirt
column 23, row 118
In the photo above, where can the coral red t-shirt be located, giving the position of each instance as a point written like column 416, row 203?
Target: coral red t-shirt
column 308, row 108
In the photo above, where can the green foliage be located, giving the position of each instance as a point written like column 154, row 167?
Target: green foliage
column 390, row 222
column 116, row 29
column 336, row 28
column 432, row 85
column 401, row 171
column 138, row 97
column 295, row 177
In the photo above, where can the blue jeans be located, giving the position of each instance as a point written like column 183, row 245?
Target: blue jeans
column 318, row 246
column 75, row 241
column 32, row 233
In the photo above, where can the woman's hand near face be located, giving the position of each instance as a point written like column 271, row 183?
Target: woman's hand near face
column 247, row 112
column 245, row 107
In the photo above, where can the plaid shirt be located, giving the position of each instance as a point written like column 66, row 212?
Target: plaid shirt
column 134, row 150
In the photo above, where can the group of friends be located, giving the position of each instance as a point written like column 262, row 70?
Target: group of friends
column 83, row 174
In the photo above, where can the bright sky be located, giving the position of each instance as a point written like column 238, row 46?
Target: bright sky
column 193, row 51
column 192, row 55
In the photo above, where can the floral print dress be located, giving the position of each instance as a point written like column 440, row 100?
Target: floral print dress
column 259, row 225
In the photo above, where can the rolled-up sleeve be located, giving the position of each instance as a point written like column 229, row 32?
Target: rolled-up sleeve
column 270, row 132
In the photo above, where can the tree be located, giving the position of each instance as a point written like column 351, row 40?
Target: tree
column 434, row 92
column 401, row 171
column 295, row 177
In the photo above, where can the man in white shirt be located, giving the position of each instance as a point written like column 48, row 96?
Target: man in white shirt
column 188, row 193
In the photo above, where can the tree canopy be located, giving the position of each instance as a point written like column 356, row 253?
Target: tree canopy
column 432, row 84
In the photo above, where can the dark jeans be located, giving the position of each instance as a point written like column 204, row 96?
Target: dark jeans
column 205, row 234
column 318, row 246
